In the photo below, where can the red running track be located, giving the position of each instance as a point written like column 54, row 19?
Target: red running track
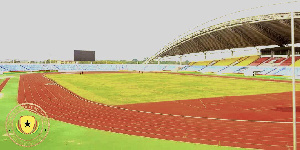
column 276, row 107
column 2, row 85
column 61, row 104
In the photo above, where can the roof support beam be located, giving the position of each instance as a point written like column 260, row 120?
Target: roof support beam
column 220, row 39
column 243, row 35
column 193, row 46
column 200, row 46
column 271, row 34
column 209, row 42
column 287, row 23
column 185, row 48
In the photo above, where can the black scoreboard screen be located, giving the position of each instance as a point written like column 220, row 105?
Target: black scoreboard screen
column 82, row 55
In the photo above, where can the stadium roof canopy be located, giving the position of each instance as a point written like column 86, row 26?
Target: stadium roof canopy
column 262, row 30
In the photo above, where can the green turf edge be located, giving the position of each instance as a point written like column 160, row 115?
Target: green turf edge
column 241, row 75
column 67, row 136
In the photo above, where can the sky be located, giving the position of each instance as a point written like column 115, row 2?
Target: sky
column 115, row 29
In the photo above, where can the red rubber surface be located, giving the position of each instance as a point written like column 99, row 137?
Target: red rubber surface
column 62, row 105
column 275, row 107
column 2, row 85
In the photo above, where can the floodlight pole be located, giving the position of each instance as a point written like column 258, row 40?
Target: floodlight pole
column 293, row 78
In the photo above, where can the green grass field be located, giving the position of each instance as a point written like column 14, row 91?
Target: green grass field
column 118, row 89
column 71, row 137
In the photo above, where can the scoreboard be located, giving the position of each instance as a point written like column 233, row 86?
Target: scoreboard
column 83, row 55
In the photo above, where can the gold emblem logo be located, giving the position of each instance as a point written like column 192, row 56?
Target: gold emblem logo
column 27, row 125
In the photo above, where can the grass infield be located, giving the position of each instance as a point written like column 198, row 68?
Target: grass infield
column 130, row 88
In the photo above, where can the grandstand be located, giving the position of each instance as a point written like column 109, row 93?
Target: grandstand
column 247, row 61
column 263, row 30
column 284, row 69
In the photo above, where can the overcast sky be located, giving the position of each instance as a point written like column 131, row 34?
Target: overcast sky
column 115, row 29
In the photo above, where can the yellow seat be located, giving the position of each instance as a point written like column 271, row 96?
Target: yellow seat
column 248, row 61
column 226, row 62
column 202, row 63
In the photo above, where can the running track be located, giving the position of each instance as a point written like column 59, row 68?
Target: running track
column 61, row 104
column 2, row 85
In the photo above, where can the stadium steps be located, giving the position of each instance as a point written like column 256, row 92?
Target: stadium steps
column 275, row 61
column 213, row 62
column 282, row 71
column 239, row 60
column 202, row 68
column 212, row 69
column 202, row 63
column 210, row 64
column 192, row 63
column 223, row 68
column 241, row 70
column 275, row 71
column 288, row 61
column 271, row 71
column 269, row 60
column 248, row 61
column 230, row 69
column 259, row 61
column 185, row 68
column 232, row 64
column 266, row 61
column 280, row 60
column 226, row 62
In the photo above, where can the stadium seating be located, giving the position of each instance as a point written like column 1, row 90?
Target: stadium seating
column 230, row 69
column 288, row 61
column 212, row 69
column 277, row 71
column 191, row 63
column 272, row 59
column 297, row 63
column 279, row 60
column 259, row 61
column 265, row 69
column 194, row 68
column 248, row 61
column 202, row 63
column 226, row 62
column 284, row 70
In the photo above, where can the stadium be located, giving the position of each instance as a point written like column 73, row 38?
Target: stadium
column 236, row 94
